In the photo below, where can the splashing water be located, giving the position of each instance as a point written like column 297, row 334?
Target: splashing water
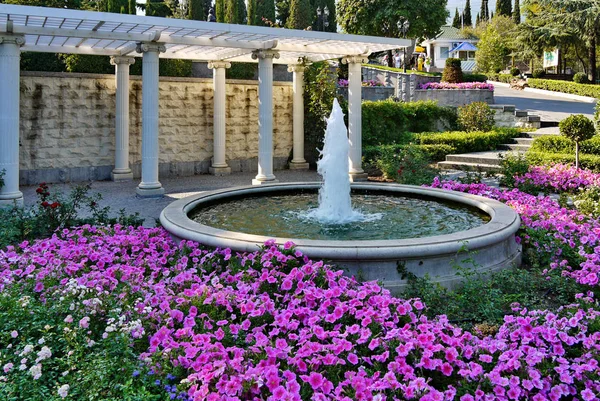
column 335, row 206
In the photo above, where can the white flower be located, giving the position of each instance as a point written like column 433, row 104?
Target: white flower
column 14, row 334
column 63, row 390
column 45, row 353
column 8, row 367
column 28, row 348
column 41, row 341
column 22, row 367
column 36, row 371
column 66, row 372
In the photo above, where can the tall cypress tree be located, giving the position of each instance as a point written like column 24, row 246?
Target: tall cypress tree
column 241, row 12
column 482, row 12
column 157, row 8
column 265, row 9
column 251, row 20
column 198, row 9
column 503, row 7
column 456, row 20
column 220, row 10
column 517, row 12
column 300, row 15
column 477, row 21
column 467, row 18
column 487, row 11
column 231, row 12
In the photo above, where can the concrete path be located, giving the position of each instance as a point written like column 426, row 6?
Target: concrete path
column 549, row 108
column 121, row 195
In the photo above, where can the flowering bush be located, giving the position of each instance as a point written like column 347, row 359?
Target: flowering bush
column 557, row 178
column 271, row 324
column 461, row 85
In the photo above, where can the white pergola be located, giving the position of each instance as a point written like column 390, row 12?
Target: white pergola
column 124, row 37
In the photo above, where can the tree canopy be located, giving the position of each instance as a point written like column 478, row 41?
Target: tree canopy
column 495, row 44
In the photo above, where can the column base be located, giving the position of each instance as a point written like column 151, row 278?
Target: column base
column 17, row 201
column 358, row 177
column 118, row 176
column 150, row 192
column 219, row 171
column 298, row 165
column 256, row 181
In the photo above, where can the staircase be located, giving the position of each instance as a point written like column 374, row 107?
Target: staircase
column 490, row 161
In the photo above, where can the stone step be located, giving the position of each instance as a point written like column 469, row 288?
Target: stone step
column 486, row 158
column 524, row 141
column 514, row 146
column 474, row 167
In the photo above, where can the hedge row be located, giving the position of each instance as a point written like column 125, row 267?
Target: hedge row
column 435, row 152
column 474, row 77
column 590, row 162
column 464, row 142
column 388, row 122
column 560, row 144
column 565, row 87
column 506, row 78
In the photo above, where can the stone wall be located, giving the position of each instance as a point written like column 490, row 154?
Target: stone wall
column 372, row 93
column 68, row 126
column 455, row 97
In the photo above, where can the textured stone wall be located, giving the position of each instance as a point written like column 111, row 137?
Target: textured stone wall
column 455, row 97
column 68, row 126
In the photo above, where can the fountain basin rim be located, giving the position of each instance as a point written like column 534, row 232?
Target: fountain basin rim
column 504, row 223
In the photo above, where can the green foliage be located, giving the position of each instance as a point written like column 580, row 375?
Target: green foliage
column 514, row 71
column 538, row 73
column 587, row 201
column 456, row 21
column 590, row 162
column 379, row 18
column 241, row 71
column 560, row 144
column 252, row 13
column 57, row 211
column 516, row 14
column 511, row 166
column 282, row 7
column 452, row 71
column 157, row 8
column 408, row 165
column 42, row 62
column 565, row 87
column 320, row 90
column 581, row 78
column 220, row 10
column 495, row 44
column 503, row 7
column 505, row 78
column 467, row 18
column 265, row 11
column 476, row 116
column 198, row 9
column 89, row 64
column 577, row 128
column 175, row 68
column 387, row 122
column 465, row 142
column 434, row 153
column 597, row 116
column 300, row 15
column 474, row 77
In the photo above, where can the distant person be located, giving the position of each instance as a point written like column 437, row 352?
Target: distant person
column 397, row 60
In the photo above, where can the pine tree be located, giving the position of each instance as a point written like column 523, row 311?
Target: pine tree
column 231, row 12
column 477, row 21
column 517, row 12
column 265, row 9
column 157, row 8
column 251, row 20
column 456, row 20
column 242, row 13
column 503, row 7
column 467, row 19
column 300, row 15
column 198, row 9
column 220, row 10
column 482, row 12
column 487, row 11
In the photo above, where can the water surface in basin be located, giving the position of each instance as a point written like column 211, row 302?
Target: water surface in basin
column 285, row 216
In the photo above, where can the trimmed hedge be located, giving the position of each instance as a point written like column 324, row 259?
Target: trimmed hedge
column 590, row 162
column 565, row 87
column 464, row 142
column 506, row 78
column 474, row 77
column 388, row 122
column 560, row 144
column 434, row 152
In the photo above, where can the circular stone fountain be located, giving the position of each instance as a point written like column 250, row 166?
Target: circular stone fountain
column 380, row 233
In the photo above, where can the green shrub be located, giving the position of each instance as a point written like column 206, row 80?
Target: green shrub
column 539, row 73
column 577, row 128
column 465, row 142
column 474, row 77
column 581, row 78
column 560, row 144
column 515, row 71
column 565, row 87
column 590, row 162
column 476, row 116
column 241, row 71
column 497, row 70
column 388, row 122
column 452, row 71
column 407, row 165
column 511, row 166
column 588, row 201
column 505, row 78
column 597, row 116
column 435, row 152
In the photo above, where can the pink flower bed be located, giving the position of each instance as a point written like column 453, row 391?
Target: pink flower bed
column 273, row 325
column 558, row 178
column 462, row 85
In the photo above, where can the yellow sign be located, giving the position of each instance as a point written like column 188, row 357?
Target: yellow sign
column 419, row 49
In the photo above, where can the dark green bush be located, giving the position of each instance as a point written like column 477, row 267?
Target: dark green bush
column 476, row 116
column 565, row 87
column 452, row 71
column 539, row 73
column 241, row 71
column 560, row 144
column 388, row 122
column 505, row 78
column 406, row 165
column 468, row 141
column 577, row 128
column 474, row 77
column 435, row 152
column 590, row 162
column 581, row 78
column 515, row 71
column 497, row 70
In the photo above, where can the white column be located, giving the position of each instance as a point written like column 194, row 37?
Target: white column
column 150, row 186
column 219, row 163
column 298, row 161
column 122, row 171
column 265, row 116
column 10, row 56
column 355, row 116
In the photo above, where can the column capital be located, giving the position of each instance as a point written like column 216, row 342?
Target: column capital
column 264, row 54
column 150, row 47
column 115, row 60
column 12, row 39
column 219, row 64
column 297, row 67
column 355, row 59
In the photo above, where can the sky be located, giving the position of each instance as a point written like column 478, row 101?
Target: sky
column 475, row 7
